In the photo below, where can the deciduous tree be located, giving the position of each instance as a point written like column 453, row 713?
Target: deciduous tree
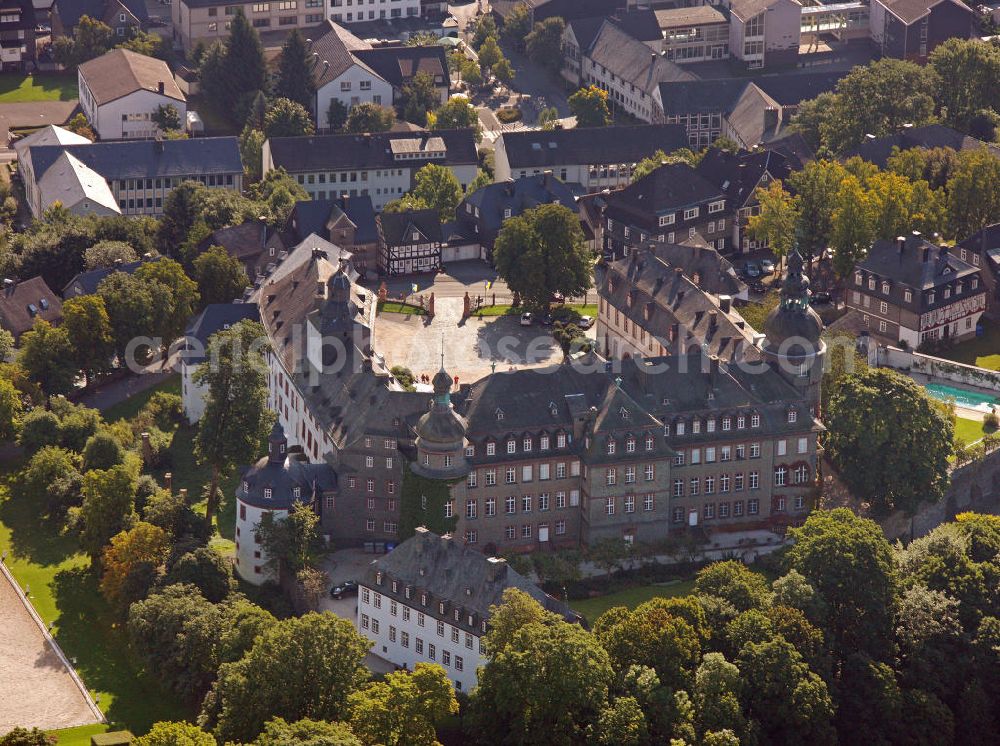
column 544, row 43
column 175, row 734
column 403, row 708
column 47, row 356
column 221, row 278
column 142, row 548
column 590, row 107
column 291, row 543
column 973, row 192
column 417, row 98
column 517, row 25
column 369, row 117
column 437, row 188
column 458, row 113
column 88, row 327
column 286, row 118
column 775, row 223
column 279, row 732
column 108, row 506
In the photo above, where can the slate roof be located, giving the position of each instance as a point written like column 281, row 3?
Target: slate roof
column 71, row 11
column 756, row 117
column 339, row 152
column 669, row 187
column 703, row 265
column 909, row 268
column 683, row 17
column 48, row 135
column 712, row 96
column 449, row 571
column 790, row 89
column 271, row 482
column 215, row 318
column 85, row 283
column 335, row 46
column 911, row 11
column 739, row 174
column 518, row 196
column 121, row 72
column 632, row 61
column 747, row 9
column 877, row 150
column 25, row 301
column 130, row 159
column 585, row 29
column 661, row 299
column 394, row 228
column 67, row 179
column 584, row 145
column 398, row 64
column 312, row 216
column 639, row 24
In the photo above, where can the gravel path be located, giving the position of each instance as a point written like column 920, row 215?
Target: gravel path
column 36, row 688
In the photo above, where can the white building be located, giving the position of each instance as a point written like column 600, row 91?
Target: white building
column 764, row 33
column 380, row 165
column 48, row 135
column 71, row 183
column 120, row 92
column 341, row 11
column 273, row 486
column 429, row 599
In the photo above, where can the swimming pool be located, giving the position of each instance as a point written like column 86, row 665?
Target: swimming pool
column 962, row 397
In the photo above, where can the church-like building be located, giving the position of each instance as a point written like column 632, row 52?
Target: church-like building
column 636, row 449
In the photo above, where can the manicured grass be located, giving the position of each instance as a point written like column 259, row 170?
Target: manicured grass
column 584, row 309
column 16, row 89
column 968, row 431
column 755, row 314
column 64, row 592
column 592, row 608
column 391, row 306
column 983, row 351
column 497, row 311
column 77, row 736
column 129, row 408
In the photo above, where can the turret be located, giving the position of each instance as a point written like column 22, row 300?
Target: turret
column 441, row 434
column 277, row 445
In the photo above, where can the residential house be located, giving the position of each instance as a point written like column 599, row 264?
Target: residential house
column 648, row 307
column 912, row 291
column 353, row 71
column 379, row 165
column 17, row 35
column 764, row 33
column 672, row 204
column 130, row 177
column 348, row 222
column 628, row 70
column 216, row 317
column 429, row 601
column 23, row 302
column 481, row 214
column 740, row 175
column 120, row 92
column 982, row 250
column 125, row 17
column 208, row 20
column 878, row 149
column 409, row 242
column 252, row 242
column 87, row 282
column 911, row 29
column 596, row 158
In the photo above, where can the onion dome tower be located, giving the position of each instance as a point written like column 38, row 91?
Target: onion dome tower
column 793, row 345
column 441, row 434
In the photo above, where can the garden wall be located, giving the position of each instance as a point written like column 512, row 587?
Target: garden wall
column 886, row 356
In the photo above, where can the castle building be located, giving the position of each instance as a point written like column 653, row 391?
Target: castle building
column 638, row 448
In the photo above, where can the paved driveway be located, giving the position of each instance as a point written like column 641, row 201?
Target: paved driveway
column 33, row 114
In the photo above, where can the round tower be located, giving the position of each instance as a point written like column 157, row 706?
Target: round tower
column 793, row 345
column 441, row 435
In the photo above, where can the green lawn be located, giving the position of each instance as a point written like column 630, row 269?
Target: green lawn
column 968, row 431
column 131, row 406
column 42, row 87
column 64, row 592
column 391, row 306
column 77, row 736
column 592, row 608
column 497, row 311
column 983, row 351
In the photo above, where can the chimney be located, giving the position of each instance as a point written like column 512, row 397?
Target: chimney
column 161, row 87
column 713, row 320
column 943, row 253
column 725, row 303
column 900, row 245
column 168, row 482
column 508, row 187
column 496, row 570
column 713, row 368
column 547, row 178
column 183, row 494
column 926, row 254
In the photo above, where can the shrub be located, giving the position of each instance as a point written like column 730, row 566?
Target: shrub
column 52, row 474
column 102, row 452
column 509, row 114
column 165, row 409
column 159, row 448
column 404, row 375
column 39, row 428
column 990, row 422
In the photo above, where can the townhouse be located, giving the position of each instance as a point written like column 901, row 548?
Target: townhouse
column 910, row 29
column 17, row 35
column 125, row 17
column 409, row 241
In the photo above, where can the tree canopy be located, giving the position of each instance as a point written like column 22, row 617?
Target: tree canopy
column 590, row 107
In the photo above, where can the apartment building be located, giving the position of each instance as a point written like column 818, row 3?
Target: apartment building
column 358, row 11
column 17, row 35
column 910, row 29
column 208, row 20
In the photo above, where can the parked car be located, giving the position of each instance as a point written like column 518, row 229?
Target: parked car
column 547, row 319
column 527, row 319
column 585, row 322
column 751, row 270
column 820, row 298
column 766, row 267
column 347, row 588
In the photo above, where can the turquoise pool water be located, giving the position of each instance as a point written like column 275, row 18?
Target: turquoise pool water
column 962, row 397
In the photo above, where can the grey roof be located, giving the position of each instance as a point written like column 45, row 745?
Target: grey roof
column 130, row 159
column 396, row 228
column 790, row 89
column 711, row 96
column 663, row 301
column 121, row 72
column 450, row 572
column 216, row 317
column 585, row 29
column 921, row 265
column 518, row 196
column 666, row 188
column 739, row 174
column 747, row 9
column 399, row 64
column 632, row 60
column 281, row 479
column 755, row 118
column 338, row 152
column 312, row 216
column 85, row 283
column 703, row 265
column 584, row 145
column 335, row 45
column 639, row 24
column 878, row 149
column 71, row 11
column 684, row 17
column 911, row 11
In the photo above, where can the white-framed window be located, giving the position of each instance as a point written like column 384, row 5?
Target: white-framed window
column 718, row 206
column 612, row 475
column 667, row 219
column 691, row 213
column 491, row 449
column 511, row 446
column 609, row 505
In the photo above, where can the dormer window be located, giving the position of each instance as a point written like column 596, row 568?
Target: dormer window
column 378, row 578
column 885, row 287
column 543, row 443
column 857, row 278
column 695, row 427
column 908, row 296
column 947, row 292
column 511, row 446
column 499, row 413
column 755, row 420
column 727, row 423
column 561, row 440
column 491, row 449
column 526, row 444
column 710, row 423
column 407, row 591
column 630, row 445
column 267, row 493
column 441, row 607
column 624, row 413
column 793, row 415
column 395, row 586
column 506, row 213
column 930, row 297
column 650, row 443
column 975, row 283
column 667, row 219
column 611, row 447
column 871, row 283
column 296, row 492
column 680, row 428
column 423, row 599
column 457, row 614
column 470, row 451
column 246, row 487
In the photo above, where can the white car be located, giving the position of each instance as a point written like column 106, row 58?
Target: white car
column 585, row 322
column 527, row 319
